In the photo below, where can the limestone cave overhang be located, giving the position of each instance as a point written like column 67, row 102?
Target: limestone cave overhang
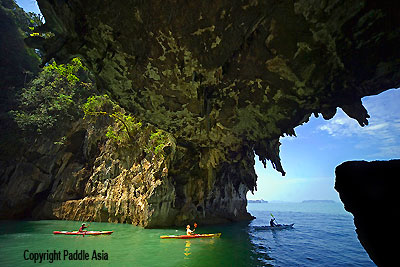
column 226, row 75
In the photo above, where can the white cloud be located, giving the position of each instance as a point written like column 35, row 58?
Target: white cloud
column 341, row 125
column 387, row 152
column 383, row 132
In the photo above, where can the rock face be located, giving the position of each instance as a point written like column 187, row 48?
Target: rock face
column 369, row 191
column 226, row 78
column 91, row 178
column 17, row 66
column 229, row 73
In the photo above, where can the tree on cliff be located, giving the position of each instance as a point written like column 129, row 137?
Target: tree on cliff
column 53, row 98
column 125, row 129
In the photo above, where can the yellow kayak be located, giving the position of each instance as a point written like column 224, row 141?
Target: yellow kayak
column 190, row 236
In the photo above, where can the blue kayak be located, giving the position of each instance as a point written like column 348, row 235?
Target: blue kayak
column 278, row 227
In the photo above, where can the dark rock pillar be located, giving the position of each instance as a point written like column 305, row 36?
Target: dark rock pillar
column 369, row 191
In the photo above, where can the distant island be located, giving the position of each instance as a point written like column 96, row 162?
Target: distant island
column 318, row 201
column 257, row 201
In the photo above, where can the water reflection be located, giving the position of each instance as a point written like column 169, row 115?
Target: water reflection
column 197, row 245
column 187, row 249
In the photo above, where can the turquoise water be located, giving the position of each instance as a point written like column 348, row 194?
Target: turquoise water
column 323, row 236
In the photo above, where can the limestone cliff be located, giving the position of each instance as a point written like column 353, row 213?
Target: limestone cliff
column 226, row 78
column 89, row 177
column 369, row 191
column 222, row 74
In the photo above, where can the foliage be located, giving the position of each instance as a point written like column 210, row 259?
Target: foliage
column 157, row 141
column 62, row 141
column 18, row 64
column 52, row 98
column 68, row 71
column 103, row 106
column 126, row 129
column 24, row 21
column 36, row 22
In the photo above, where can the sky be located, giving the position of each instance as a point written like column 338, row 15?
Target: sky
column 28, row 5
column 310, row 158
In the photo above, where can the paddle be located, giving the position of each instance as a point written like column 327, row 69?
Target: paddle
column 195, row 225
column 274, row 218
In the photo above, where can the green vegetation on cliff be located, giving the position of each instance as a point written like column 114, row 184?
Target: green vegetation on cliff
column 18, row 66
column 63, row 93
column 125, row 129
column 53, row 98
column 103, row 106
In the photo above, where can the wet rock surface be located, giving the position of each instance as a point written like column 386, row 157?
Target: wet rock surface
column 369, row 191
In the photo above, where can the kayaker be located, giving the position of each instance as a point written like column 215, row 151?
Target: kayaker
column 272, row 222
column 188, row 231
column 81, row 229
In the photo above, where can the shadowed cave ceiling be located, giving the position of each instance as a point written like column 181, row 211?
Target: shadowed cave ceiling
column 225, row 76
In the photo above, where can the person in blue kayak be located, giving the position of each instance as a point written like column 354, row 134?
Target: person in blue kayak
column 82, row 228
column 272, row 222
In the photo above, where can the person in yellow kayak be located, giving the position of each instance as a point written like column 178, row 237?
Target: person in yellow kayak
column 190, row 232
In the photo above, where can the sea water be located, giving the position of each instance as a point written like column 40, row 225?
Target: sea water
column 323, row 235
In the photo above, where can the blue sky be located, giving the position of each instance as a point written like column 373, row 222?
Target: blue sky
column 310, row 158
column 28, row 5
